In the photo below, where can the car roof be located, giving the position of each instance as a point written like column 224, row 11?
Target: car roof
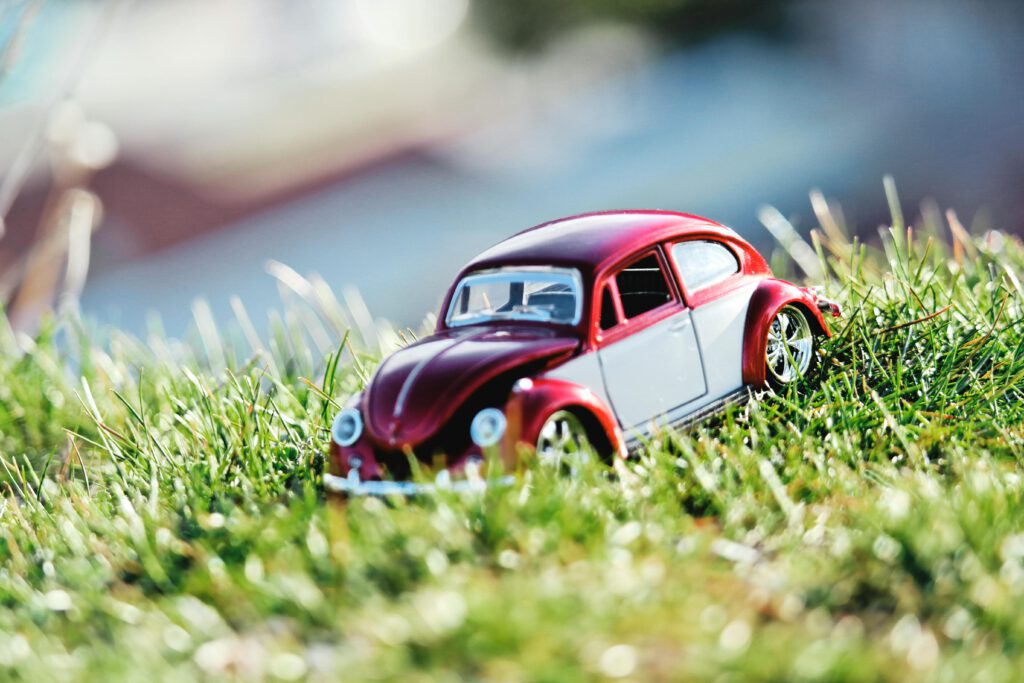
column 589, row 241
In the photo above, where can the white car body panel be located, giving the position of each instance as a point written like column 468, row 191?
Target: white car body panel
column 584, row 370
column 654, row 371
column 721, row 325
column 662, row 376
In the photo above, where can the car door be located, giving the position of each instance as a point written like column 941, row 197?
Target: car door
column 719, row 296
column 647, row 347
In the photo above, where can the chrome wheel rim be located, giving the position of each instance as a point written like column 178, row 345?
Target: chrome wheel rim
column 563, row 442
column 790, row 345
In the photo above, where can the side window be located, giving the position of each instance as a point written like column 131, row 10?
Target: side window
column 704, row 263
column 609, row 316
column 642, row 286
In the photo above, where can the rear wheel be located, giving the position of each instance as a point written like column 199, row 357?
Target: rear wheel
column 563, row 442
column 789, row 351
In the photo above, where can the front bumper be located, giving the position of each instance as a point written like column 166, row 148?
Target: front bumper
column 352, row 485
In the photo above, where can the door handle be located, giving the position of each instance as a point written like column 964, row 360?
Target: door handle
column 679, row 325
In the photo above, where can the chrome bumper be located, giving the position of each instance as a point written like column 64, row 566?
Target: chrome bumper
column 353, row 486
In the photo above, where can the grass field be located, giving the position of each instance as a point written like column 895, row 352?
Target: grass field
column 163, row 518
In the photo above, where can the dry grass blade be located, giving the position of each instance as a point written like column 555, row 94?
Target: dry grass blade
column 916, row 321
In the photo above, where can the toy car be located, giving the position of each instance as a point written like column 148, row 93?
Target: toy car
column 594, row 330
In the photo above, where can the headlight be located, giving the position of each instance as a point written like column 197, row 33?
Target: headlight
column 347, row 427
column 487, row 427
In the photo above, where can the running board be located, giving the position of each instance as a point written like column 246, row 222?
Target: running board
column 735, row 398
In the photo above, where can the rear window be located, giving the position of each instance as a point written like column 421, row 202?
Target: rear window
column 703, row 263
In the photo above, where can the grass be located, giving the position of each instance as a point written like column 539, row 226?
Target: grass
column 163, row 515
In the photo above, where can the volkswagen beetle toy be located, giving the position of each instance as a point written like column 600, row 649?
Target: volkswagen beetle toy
column 583, row 334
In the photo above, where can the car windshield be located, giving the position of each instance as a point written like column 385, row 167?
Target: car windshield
column 540, row 294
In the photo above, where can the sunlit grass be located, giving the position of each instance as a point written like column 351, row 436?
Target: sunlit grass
column 163, row 515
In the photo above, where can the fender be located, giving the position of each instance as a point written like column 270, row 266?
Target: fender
column 769, row 297
column 534, row 400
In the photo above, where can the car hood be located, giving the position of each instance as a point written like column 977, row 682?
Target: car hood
column 417, row 389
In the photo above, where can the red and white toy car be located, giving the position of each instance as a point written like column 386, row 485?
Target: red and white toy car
column 596, row 329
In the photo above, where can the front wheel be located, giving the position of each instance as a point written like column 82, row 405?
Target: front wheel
column 563, row 442
column 789, row 352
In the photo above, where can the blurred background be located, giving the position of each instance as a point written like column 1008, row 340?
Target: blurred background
column 157, row 151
